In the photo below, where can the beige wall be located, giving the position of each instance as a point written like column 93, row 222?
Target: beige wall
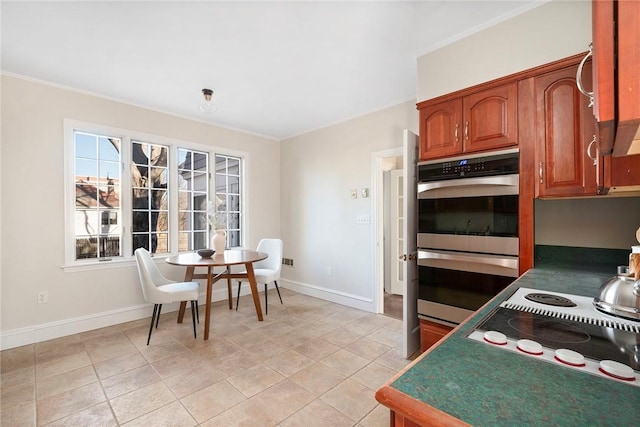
column 319, row 170
column 549, row 32
column 603, row 222
column 33, row 203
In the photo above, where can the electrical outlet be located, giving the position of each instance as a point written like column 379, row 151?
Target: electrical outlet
column 287, row 261
column 43, row 297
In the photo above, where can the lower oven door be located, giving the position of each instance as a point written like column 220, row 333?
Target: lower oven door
column 452, row 285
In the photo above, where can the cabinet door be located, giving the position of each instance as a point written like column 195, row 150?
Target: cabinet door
column 565, row 127
column 490, row 119
column 440, row 130
column 431, row 333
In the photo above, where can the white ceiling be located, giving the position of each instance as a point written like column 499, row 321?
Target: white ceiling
column 278, row 68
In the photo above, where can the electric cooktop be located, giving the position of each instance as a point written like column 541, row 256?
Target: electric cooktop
column 566, row 330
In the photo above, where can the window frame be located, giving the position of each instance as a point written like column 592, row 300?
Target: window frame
column 127, row 137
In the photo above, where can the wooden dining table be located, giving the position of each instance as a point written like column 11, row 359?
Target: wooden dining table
column 227, row 259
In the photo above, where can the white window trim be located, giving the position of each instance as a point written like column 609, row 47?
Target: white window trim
column 70, row 126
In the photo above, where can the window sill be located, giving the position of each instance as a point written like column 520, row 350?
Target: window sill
column 99, row 265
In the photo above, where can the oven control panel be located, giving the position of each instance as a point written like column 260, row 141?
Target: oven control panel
column 469, row 167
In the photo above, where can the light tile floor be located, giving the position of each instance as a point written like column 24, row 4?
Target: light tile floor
column 310, row 363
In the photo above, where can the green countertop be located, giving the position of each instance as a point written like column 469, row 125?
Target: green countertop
column 488, row 386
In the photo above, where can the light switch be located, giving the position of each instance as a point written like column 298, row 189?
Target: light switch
column 354, row 194
column 363, row 219
column 364, row 192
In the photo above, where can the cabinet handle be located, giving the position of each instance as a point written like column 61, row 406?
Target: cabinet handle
column 592, row 157
column 540, row 169
column 579, row 76
column 466, row 130
column 456, row 131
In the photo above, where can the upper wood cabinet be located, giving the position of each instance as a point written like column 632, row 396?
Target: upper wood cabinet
column 479, row 121
column 616, row 84
column 566, row 153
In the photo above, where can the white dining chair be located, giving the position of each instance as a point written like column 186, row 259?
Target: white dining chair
column 159, row 290
column 267, row 270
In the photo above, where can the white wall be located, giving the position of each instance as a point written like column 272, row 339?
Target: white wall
column 547, row 33
column 319, row 170
column 33, row 209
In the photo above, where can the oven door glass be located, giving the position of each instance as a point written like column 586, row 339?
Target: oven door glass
column 457, row 288
column 476, row 216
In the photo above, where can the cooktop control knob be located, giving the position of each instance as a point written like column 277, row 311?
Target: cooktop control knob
column 569, row 357
column 617, row 370
column 529, row 347
column 495, row 337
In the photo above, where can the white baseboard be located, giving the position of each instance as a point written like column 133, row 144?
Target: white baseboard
column 61, row 328
column 350, row 300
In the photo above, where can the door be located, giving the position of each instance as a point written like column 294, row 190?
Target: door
column 411, row 324
column 440, row 130
column 564, row 128
column 396, row 231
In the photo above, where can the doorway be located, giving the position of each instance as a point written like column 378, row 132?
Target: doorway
column 388, row 206
column 392, row 219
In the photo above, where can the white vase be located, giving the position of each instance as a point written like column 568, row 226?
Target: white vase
column 218, row 242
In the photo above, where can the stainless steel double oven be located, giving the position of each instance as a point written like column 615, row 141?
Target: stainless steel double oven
column 467, row 233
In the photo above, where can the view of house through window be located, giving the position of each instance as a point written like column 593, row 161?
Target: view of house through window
column 164, row 205
column 98, row 217
column 228, row 197
column 193, row 190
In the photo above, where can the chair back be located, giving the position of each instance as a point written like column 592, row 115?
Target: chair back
column 150, row 278
column 272, row 247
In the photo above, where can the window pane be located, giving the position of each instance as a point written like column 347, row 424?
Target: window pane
column 228, row 197
column 97, row 196
column 108, row 148
column 234, row 184
column 151, row 207
column 86, row 146
column 234, row 203
column 192, row 198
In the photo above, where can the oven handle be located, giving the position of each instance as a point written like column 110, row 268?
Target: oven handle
column 486, row 181
column 466, row 260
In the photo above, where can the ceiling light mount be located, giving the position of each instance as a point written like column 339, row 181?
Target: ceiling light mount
column 207, row 106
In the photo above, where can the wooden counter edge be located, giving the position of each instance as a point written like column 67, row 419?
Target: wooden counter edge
column 415, row 410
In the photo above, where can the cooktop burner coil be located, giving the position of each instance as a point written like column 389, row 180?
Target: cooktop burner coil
column 549, row 299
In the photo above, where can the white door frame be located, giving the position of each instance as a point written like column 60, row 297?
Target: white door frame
column 377, row 184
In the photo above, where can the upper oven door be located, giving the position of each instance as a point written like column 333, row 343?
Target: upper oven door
column 485, row 207
column 470, row 187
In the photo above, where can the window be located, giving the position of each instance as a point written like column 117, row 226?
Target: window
column 193, row 187
column 97, row 196
column 228, row 196
column 159, row 203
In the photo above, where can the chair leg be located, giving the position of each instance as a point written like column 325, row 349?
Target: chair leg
column 153, row 319
column 266, row 301
column 193, row 316
column 197, row 312
column 158, row 316
column 278, row 289
column 238, row 299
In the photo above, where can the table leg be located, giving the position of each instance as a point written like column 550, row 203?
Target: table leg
column 188, row 276
column 207, row 312
column 254, row 289
column 229, row 289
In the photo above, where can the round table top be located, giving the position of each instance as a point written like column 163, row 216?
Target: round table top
column 230, row 257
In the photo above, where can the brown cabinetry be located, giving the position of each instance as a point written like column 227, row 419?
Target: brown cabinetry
column 477, row 121
column 431, row 333
column 616, row 85
column 566, row 154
